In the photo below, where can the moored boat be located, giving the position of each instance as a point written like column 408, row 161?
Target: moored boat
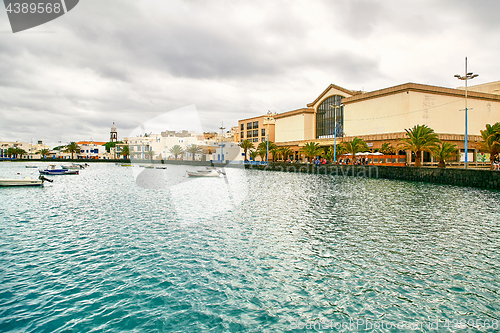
column 51, row 170
column 74, row 166
column 21, row 182
column 204, row 173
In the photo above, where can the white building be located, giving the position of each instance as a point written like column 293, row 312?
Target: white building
column 229, row 152
column 92, row 150
column 32, row 150
column 159, row 146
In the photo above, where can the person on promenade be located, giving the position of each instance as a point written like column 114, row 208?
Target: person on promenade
column 496, row 164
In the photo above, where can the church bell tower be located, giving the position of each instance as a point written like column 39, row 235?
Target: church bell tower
column 113, row 134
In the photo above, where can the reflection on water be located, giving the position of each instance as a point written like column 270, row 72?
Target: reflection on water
column 260, row 252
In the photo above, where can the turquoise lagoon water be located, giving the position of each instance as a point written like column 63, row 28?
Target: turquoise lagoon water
column 127, row 249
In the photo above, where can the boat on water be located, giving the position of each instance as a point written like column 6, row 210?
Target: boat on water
column 211, row 170
column 51, row 170
column 149, row 166
column 31, row 166
column 204, row 173
column 21, row 182
column 126, row 165
column 74, row 166
column 163, row 167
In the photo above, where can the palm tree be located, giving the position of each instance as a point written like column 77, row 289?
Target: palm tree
column 72, row 148
column 21, row 152
column 43, row 152
column 274, row 151
column 284, row 152
column 246, row 144
column 491, row 141
column 339, row 151
column 176, row 150
column 10, row 151
column 329, row 154
column 15, row 152
column 125, row 151
column 151, row 154
column 253, row 154
column 387, row 149
column 263, row 147
column 355, row 146
column 444, row 152
column 194, row 149
column 420, row 138
column 312, row 149
column 262, row 153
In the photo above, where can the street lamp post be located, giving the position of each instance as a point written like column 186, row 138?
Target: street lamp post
column 335, row 107
column 466, row 77
column 222, row 128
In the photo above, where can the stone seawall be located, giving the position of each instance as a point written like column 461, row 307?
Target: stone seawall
column 486, row 179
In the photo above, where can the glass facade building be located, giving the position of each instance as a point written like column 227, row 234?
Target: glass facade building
column 330, row 117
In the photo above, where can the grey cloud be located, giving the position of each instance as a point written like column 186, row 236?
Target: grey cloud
column 129, row 61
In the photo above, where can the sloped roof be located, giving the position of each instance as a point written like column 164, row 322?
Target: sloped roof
column 333, row 86
column 424, row 88
column 97, row 143
column 293, row 112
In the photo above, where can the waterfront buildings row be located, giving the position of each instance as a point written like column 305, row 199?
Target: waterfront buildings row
column 161, row 147
column 32, row 150
column 339, row 114
column 210, row 146
column 336, row 115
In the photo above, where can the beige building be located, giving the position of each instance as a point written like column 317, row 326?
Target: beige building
column 256, row 129
column 383, row 115
column 32, row 150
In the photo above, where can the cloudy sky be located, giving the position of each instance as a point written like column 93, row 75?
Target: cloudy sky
column 130, row 61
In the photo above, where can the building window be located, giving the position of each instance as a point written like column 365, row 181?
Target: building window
column 255, row 133
column 242, row 134
column 263, row 132
column 255, row 139
column 330, row 118
column 242, row 126
column 263, row 139
column 255, row 124
column 249, row 125
column 249, row 134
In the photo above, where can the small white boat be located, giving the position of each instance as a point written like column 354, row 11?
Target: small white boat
column 31, row 166
column 204, row 173
column 73, row 166
column 21, row 182
column 205, row 170
column 163, row 167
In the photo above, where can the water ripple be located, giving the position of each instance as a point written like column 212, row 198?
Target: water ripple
column 98, row 253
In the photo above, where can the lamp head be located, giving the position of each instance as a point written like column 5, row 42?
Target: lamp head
column 457, row 76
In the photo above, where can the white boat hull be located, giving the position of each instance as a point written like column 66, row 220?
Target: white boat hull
column 21, row 182
column 202, row 174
